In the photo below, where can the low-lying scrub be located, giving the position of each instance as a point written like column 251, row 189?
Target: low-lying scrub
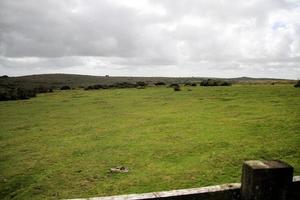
column 190, row 84
column 177, row 88
column 174, row 85
column 66, row 87
column 159, row 83
column 16, row 94
column 42, row 89
column 140, row 85
column 212, row 82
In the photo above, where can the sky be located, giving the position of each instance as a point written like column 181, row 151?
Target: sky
column 180, row 38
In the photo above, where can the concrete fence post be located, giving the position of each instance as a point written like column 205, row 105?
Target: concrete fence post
column 266, row 180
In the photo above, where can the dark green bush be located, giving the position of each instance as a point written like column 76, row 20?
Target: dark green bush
column 174, row 85
column 159, row 83
column 141, row 83
column 16, row 94
column 297, row 84
column 66, row 87
column 211, row 82
column 4, row 76
column 123, row 85
column 42, row 89
column 177, row 88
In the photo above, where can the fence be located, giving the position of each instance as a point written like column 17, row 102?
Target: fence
column 261, row 180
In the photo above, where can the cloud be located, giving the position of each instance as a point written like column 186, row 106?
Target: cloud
column 151, row 37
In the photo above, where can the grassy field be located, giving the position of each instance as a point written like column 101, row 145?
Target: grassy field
column 62, row 144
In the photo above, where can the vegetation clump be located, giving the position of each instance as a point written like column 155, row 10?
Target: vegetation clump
column 297, row 84
column 116, row 85
column 159, row 83
column 141, row 84
column 174, row 85
column 4, row 76
column 20, row 93
column 66, row 87
column 16, row 94
column 190, row 84
column 43, row 89
column 212, row 82
column 96, row 87
column 123, row 85
column 177, row 88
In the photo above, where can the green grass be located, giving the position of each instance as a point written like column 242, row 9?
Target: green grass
column 62, row 144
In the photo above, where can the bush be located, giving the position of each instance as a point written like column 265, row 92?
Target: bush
column 4, row 76
column 16, row 94
column 123, row 85
column 66, row 87
column 190, row 84
column 42, row 89
column 174, row 85
column 297, row 84
column 159, row 83
column 115, row 85
column 177, row 88
column 225, row 83
column 141, row 83
column 211, row 82
column 96, row 87
column 88, row 87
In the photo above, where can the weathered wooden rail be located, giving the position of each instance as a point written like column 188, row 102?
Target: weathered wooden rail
column 261, row 180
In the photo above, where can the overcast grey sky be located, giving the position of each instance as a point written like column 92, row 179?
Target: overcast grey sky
column 221, row 38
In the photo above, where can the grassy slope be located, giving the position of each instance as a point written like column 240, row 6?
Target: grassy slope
column 62, row 144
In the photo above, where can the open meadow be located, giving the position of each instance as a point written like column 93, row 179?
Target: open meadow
column 63, row 144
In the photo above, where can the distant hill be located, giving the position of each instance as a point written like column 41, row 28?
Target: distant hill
column 74, row 81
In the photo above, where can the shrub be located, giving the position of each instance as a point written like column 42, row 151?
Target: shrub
column 66, row 87
column 297, row 84
column 42, row 89
column 123, row 85
column 88, row 87
column 190, row 84
column 141, row 83
column 115, row 85
column 177, row 88
column 16, row 94
column 174, row 85
column 159, row 83
column 97, row 87
column 225, row 83
column 4, row 76
column 211, row 82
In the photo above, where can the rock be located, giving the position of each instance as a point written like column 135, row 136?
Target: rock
column 120, row 169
